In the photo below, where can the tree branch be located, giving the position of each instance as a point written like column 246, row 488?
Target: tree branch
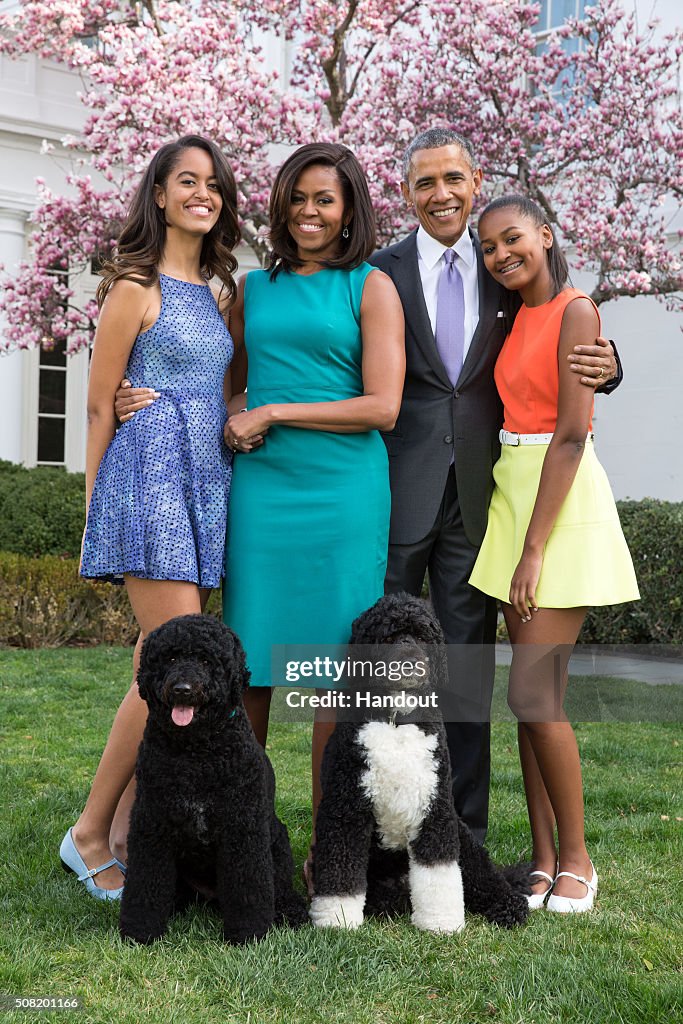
column 331, row 66
column 666, row 286
column 256, row 241
column 366, row 56
column 546, row 205
column 150, row 7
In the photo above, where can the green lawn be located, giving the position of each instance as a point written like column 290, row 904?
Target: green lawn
column 620, row 964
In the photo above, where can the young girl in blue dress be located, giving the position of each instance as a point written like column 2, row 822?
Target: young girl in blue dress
column 157, row 489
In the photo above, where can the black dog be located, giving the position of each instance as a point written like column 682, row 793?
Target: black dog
column 386, row 826
column 204, row 807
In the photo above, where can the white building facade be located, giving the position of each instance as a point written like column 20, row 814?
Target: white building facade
column 42, row 403
column 43, row 394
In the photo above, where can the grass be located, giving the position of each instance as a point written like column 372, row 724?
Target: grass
column 620, row 964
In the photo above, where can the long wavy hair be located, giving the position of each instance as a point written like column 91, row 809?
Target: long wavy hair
column 362, row 232
column 140, row 245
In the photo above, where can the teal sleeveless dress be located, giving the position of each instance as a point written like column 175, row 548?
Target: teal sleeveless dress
column 308, row 527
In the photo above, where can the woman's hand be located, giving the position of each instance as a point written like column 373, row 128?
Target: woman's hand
column 383, row 372
column 246, row 430
column 523, row 584
column 562, row 458
column 128, row 400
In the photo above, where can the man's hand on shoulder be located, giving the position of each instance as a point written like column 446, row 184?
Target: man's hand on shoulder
column 596, row 363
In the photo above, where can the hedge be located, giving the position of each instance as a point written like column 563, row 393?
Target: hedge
column 44, row 603
column 654, row 532
column 42, row 510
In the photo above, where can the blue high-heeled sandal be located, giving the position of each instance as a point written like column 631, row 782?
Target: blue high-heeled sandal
column 72, row 861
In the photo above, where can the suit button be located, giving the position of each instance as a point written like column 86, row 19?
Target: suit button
column 448, row 439
column 456, row 394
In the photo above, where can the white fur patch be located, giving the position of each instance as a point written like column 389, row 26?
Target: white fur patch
column 195, row 812
column 400, row 780
column 436, row 896
column 337, row 911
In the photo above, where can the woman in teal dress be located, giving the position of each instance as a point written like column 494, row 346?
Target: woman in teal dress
column 324, row 336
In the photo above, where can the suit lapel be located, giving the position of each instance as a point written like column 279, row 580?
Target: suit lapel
column 409, row 286
column 489, row 294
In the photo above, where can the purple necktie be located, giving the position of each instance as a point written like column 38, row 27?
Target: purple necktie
column 450, row 317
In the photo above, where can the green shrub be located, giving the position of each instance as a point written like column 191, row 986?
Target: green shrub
column 45, row 603
column 42, row 510
column 654, row 533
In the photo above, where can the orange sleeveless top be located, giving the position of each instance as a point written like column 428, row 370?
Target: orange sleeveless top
column 527, row 370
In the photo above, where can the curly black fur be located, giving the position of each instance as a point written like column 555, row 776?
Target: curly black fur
column 349, row 857
column 395, row 617
column 204, row 807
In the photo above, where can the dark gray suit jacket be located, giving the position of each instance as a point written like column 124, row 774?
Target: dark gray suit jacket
column 434, row 416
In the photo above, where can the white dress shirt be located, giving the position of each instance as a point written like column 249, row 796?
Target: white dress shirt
column 430, row 263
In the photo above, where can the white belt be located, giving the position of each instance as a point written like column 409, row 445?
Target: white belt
column 508, row 437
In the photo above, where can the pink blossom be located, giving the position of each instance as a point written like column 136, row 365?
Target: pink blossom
column 593, row 136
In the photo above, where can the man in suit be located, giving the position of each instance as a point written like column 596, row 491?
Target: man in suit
column 445, row 442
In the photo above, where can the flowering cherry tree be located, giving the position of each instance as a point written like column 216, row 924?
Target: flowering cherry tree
column 591, row 131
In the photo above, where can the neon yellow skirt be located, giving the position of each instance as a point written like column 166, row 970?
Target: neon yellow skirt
column 586, row 560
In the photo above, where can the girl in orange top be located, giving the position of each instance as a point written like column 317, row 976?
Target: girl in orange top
column 553, row 544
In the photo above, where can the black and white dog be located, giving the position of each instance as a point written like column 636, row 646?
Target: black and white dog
column 386, row 825
column 204, row 807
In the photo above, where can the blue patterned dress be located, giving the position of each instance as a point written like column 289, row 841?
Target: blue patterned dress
column 159, row 506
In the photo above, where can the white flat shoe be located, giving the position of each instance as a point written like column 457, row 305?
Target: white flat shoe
column 573, row 905
column 537, row 899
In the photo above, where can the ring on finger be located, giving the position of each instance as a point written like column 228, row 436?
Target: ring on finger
column 602, row 373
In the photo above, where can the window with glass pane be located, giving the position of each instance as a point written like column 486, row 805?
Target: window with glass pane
column 52, row 401
column 52, row 405
column 52, row 392
column 51, row 440
column 554, row 13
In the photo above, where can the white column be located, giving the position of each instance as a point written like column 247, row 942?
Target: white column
column 12, row 241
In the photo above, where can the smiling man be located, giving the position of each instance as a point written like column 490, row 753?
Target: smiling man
column 445, row 443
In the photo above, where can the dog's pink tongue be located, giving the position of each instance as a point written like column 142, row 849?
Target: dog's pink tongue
column 182, row 715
